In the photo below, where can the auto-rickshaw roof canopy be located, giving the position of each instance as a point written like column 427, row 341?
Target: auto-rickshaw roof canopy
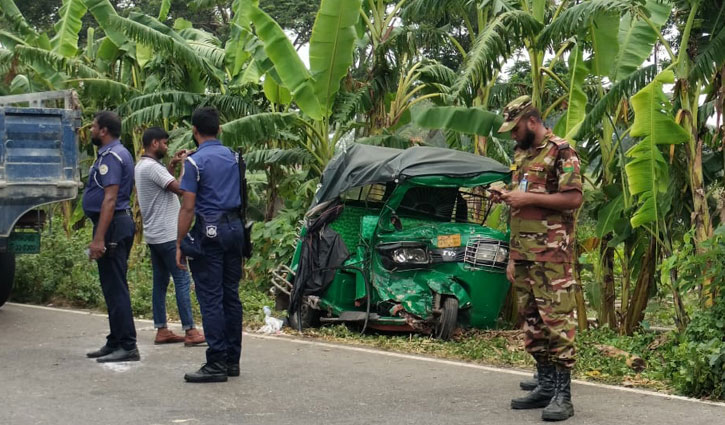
column 357, row 165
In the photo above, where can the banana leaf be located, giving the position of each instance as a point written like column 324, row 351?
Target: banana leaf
column 287, row 63
column 331, row 47
column 647, row 170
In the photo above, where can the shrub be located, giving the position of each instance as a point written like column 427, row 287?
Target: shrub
column 62, row 274
column 697, row 365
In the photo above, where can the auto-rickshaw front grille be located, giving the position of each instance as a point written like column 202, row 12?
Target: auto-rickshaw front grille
column 448, row 255
column 487, row 253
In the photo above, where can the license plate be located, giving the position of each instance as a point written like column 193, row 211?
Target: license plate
column 24, row 242
column 449, row 241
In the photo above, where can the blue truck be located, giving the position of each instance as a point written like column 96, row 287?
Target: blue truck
column 38, row 166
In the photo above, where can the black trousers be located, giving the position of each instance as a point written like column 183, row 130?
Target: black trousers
column 112, row 269
column 216, row 274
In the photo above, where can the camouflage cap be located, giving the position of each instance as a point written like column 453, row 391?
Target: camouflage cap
column 513, row 112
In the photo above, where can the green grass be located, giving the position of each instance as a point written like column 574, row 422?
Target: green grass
column 505, row 348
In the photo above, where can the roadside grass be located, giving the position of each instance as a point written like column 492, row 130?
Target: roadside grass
column 505, row 348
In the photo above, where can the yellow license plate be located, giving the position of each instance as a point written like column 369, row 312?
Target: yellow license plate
column 449, row 241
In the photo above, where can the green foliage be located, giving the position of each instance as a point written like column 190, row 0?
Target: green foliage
column 331, row 47
column 287, row 63
column 647, row 169
column 498, row 39
column 692, row 267
column 295, row 15
column 464, row 120
column 38, row 280
column 274, row 244
column 707, row 61
column 67, row 28
column 577, row 18
column 698, row 364
column 626, row 87
column 577, row 100
column 636, row 38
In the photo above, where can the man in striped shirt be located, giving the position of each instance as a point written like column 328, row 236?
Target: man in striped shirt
column 157, row 191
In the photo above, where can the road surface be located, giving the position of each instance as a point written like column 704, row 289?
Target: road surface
column 46, row 379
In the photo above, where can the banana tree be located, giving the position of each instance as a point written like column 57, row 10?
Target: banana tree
column 703, row 31
column 313, row 90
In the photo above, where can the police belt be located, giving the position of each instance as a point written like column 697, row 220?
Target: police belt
column 118, row 213
column 232, row 215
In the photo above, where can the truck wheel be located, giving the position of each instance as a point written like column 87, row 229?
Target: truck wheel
column 7, row 275
column 448, row 321
column 309, row 317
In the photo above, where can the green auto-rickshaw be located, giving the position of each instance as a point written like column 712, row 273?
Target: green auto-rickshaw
column 397, row 240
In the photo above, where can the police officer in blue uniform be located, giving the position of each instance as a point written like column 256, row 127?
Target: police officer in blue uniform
column 106, row 201
column 211, row 194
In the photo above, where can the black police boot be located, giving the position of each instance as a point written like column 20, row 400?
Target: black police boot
column 103, row 351
column 121, row 355
column 544, row 391
column 530, row 384
column 232, row 369
column 560, row 407
column 209, row 372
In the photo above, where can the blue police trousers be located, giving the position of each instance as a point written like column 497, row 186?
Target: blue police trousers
column 112, row 268
column 216, row 275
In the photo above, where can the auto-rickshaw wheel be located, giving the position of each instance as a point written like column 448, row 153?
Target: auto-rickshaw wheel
column 308, row 316
column 448, row 320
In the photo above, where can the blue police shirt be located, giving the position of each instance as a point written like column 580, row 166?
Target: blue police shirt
column 212, row 173
column 114, row 165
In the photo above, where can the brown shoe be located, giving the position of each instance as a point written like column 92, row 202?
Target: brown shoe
column 194, row 337
column 165, row 336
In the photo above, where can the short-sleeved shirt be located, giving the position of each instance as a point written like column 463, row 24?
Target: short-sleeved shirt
column 212, row 173
column 159, row 207
column 541, row 234
column 114, row 165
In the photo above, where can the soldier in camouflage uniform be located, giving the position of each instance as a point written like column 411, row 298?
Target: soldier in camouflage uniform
column 546, row 190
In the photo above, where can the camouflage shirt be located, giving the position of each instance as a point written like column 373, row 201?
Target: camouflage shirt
column 541, row 234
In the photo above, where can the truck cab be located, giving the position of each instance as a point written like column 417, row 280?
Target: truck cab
column 38, row 166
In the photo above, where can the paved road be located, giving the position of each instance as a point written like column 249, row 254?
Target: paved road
column 46, row 379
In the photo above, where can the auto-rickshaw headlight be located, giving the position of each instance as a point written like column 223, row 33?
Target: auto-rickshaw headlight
column 404, row 255
column 411, row 255
column 487, row 253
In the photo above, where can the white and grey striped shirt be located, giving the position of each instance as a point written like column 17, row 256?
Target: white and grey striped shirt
column 159, row 207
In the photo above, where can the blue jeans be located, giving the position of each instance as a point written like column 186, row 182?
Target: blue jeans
column 163, row 262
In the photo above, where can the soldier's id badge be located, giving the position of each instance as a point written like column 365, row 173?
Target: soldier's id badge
column 211, row 231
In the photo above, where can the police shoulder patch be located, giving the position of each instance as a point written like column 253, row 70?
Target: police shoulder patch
column 103, row 169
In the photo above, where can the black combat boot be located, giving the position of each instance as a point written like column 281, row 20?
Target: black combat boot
column 530, row 384
column 560, row 407
column 209, row 372
column 544, row 391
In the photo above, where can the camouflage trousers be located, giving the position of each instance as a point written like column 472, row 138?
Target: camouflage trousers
column 546, row 300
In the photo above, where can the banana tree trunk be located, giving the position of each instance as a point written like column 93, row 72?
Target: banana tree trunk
column 626, row 282
column 606, row 271
column 640, row 297
column 700, row 216
column 581, row 307
column 681, row 318
column 273, row 202
column 689, row 98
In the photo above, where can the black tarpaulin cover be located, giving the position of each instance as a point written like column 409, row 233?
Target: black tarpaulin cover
column 323, row 251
